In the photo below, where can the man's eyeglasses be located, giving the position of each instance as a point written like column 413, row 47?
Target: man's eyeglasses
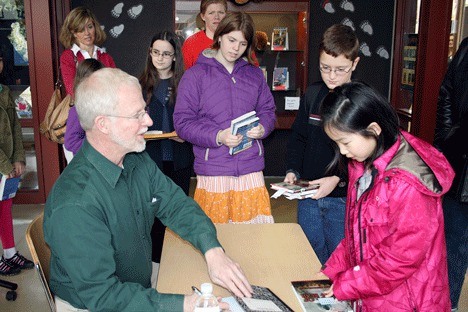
column 139, row 116
column 340, row 71
column 165, row 54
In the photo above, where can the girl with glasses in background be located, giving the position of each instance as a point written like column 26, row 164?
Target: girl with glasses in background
column 159, row 82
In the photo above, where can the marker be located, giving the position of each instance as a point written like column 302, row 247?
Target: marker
column 196, row 290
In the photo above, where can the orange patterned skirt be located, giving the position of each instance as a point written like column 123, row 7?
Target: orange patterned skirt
column 227, row 199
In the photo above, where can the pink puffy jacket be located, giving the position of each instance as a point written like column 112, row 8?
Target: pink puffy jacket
column 393, row 256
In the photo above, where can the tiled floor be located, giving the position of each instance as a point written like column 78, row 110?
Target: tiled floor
column 29, row 288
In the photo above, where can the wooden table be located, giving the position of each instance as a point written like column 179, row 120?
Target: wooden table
column 271, row 255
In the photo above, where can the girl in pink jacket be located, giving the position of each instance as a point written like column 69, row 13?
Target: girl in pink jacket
column 393, row 256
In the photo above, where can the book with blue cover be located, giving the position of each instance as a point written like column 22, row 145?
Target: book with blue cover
column 8, row 187
column 242, row 125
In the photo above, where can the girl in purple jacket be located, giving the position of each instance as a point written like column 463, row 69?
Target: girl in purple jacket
column 393, row 256
column 223, row 85
column 74, row 135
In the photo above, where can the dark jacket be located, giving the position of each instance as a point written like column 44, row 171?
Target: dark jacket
column 182, row 152
column 452, row 108
column 310, row 150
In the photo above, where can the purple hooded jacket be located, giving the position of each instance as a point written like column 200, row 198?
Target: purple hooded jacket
column 208, row 98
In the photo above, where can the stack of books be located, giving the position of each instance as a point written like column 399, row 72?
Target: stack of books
column 241, row 125
column 299, row 190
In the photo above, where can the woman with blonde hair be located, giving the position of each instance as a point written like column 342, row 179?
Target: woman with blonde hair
column 81, row 34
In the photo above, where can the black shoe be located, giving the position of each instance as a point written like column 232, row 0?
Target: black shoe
column 18, row 261
column 6, row 269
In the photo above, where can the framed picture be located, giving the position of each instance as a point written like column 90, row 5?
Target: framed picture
column 279, row 39
column 280, row 79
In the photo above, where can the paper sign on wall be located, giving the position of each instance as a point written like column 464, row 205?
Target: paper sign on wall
column 291, row 102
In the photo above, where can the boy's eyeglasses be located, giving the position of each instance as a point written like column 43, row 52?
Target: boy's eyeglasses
column 165, row 54
column 338, row 71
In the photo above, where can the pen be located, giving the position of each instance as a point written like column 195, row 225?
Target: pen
column 196, row 290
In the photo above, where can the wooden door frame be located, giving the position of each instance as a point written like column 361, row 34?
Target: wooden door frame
column 431, row 64
column 43, row 52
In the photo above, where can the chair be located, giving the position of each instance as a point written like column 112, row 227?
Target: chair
column 40, row 253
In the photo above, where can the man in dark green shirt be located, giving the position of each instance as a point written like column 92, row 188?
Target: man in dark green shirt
column 99, row 214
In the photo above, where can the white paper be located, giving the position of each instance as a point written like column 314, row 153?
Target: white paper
column 278, row 193
column 154, row 132
column 291, row 102
column 261, row 305
column 234, row 306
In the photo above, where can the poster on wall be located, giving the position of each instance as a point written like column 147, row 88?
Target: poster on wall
column 409, row 61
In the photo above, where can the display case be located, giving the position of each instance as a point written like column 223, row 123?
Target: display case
column 283, row 58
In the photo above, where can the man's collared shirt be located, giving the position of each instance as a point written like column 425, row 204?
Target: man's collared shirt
column 97, row 222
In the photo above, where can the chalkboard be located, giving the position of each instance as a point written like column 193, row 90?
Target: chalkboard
column 373, row 23
column 130, row 25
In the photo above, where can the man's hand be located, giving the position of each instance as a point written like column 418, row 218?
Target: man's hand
column 327, row 185
column 226, row 273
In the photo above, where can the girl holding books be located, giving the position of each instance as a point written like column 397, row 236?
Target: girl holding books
column 223, row 85
column 159, row 82
column 12, row 165
column 393, row 256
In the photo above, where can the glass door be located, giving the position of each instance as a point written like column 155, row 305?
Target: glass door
column 459, row 26
column 15, row 76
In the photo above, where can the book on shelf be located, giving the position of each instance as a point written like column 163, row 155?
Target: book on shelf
column 280, row 39
column 280, row 78
column 241, row 125
column 312, row 298
column 263, row 299
column 8, row 186
column 298, row 190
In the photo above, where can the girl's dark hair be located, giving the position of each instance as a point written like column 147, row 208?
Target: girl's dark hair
column 84, row 69
column 351, row 108
column 237, row 21
column 150, row 77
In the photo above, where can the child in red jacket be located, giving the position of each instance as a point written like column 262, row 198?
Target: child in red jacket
column 393, row 256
